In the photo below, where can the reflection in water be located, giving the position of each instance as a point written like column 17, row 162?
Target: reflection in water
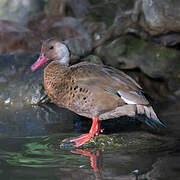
column 36, row 152
column 95, row 158
column 43, row 153
column 41, row 157
column 29, row 148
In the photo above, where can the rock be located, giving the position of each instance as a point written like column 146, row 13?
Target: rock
column 112, row 52
column 106, row 11
column 79, row 8
column 165, row 167
column 92, row 59
column 172, row 39
column 40, row 22
column 19, row 85
column 10, row 26
column 128, row 52
column 19, row 10
column 79, row 48
column 96, row 30
column 144, row 18
column 56, row 7
column 101, row 20
column 68, row 27
column 33, row 121
column 17, row 37
column 133, row 142
column 157, row 16
column 57, row 26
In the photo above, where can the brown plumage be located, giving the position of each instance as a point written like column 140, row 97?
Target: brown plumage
column 95, row 91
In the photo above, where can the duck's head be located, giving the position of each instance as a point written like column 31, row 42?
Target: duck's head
column 55, row 50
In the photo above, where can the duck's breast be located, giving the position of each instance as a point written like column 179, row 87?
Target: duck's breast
column 55, row 82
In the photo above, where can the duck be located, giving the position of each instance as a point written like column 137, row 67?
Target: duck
column 96, row 91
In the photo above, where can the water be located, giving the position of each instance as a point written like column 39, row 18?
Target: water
column 30, row 139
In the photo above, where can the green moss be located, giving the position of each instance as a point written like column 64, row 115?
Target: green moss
column 105, row 142
column 93, row 59
column 135, row 45
column 94, row 2
column 102, row 11
column 165, row 53
column 96, row 17
column 112, row 142
column 131, row 142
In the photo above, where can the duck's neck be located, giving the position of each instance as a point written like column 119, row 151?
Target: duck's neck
column 64, row 61
column 63, row 54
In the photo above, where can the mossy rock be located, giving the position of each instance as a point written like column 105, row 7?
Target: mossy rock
column 93, row 59
column 131, row 142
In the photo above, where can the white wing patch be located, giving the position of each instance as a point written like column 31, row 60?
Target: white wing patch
column 127, row 101
column 133, row 97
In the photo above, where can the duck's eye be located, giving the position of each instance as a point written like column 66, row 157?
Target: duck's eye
column 51, row 47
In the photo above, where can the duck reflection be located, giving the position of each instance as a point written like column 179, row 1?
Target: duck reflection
column 95, row 160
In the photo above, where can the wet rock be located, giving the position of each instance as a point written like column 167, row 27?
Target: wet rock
column 17, row 37
column 35, row 120
column 157, row 16
column 19, row 85
column 19, row 10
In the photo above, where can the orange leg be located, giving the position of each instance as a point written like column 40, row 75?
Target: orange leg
column 84, row 138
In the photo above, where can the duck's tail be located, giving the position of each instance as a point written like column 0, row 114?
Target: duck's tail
column 152, row 119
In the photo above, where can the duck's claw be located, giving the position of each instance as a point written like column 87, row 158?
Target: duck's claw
column 82, row 139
